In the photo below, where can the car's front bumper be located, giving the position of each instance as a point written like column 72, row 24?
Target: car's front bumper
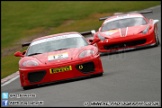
column 79, row 68
column 127, row 43
column 127, row 49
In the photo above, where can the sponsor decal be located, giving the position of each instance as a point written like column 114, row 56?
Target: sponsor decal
column 61, row 69
column 110, row 32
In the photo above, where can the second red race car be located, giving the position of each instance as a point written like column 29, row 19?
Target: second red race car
column 58, row 57
column 125, row 32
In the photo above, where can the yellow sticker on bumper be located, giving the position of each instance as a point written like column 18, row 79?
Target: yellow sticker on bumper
column 62, row 69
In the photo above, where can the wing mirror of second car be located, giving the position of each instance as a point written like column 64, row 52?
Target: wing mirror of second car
column 18, row 54
column 93, row 41
column 150, row 27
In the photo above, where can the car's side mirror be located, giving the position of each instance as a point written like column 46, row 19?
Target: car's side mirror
column 90, row 40
column 24, row 52
column 150, row 21
column 93, row 41
column 155, row 21
column 18, row 54
column 150, row 27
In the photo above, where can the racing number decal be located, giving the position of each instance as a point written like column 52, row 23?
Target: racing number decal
column 58, row 56
column 62, row 69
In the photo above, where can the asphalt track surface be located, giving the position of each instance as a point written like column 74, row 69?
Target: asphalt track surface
column 133, row 76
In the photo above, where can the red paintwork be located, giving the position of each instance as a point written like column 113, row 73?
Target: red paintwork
column 133, row 33
column 73, row 60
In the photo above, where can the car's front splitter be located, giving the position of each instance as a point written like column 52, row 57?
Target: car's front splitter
column 103, row 52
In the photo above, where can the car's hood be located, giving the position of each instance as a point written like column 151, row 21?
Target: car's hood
column 58, row 56
column 123, row 32
column 61, row 56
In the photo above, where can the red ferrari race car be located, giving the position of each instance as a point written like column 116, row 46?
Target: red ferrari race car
column 125, row 32
column 58, row 57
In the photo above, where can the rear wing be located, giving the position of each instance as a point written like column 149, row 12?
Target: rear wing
column 141, row 12
column 146, row 12
column 103, row 18
column 88, row 32
column 25, row 44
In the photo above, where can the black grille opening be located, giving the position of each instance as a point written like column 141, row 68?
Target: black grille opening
column 86, row 67
column 36, row 76
column 125, row 44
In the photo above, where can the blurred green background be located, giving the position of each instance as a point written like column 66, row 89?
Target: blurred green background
column 22, row 21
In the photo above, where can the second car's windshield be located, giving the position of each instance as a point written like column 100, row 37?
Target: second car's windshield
column 48, row 45
column 123, row 23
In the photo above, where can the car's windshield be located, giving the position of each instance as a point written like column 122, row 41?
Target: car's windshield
column 56, row 43
column 123, row 23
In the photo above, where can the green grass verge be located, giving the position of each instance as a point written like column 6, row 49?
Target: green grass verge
column 25, row 20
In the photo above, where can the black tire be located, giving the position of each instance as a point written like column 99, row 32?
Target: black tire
column 100, row 74
column 156, row 37
column 157, row 41
column 28, row 87
column 103, row 54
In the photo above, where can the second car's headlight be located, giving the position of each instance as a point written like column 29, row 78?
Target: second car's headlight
column 101, row 37
column 86, row 53
column 30, row 63
column 146, row 30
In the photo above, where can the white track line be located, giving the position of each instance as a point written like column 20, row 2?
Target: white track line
column 10, row 81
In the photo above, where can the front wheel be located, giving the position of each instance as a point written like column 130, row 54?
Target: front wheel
column 100, row 74
column 157, row 41
column 156, row 37
column 28, row 87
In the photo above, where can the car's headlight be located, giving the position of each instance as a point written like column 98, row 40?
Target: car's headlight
column 101, row 37
column 86, row 53
column 146, row 30
column 30, row 63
